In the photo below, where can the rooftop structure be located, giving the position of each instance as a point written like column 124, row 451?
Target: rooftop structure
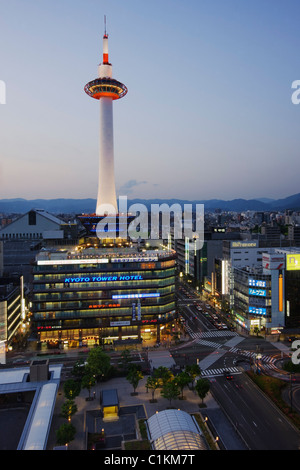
column 174, row 430
column 34, row 435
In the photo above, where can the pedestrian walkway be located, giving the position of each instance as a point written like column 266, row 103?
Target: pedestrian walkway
column 160, row 357
column 204, row 342
column 216, row 334
column 209, row 360
column 282, row 347
column 252, row 355
column 220, row 372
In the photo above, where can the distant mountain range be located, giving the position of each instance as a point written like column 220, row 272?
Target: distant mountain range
column 78, row 206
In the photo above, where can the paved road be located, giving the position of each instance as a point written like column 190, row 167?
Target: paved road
column 257, row 420
column 261, row 425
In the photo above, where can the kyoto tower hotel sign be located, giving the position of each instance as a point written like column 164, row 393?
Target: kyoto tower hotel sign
column 106, row 89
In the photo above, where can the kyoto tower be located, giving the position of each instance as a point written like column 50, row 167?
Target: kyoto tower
column 106, row 89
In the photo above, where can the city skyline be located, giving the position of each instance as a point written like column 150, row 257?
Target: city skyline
column 208, row 114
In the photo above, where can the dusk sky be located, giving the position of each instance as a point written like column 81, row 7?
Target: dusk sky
column 208, row 112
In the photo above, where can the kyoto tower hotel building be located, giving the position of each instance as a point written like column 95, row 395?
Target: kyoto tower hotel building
column 105, row 290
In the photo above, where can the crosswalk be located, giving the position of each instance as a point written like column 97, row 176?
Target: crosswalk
column 216, row 334
column 210, row 344
column 203, row 337
column 252, row 355
column 211, row 333
column 220, row 372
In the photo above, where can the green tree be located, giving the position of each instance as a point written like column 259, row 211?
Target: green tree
column 79, row 369
column 153, row 384
column 134, row 376
column 202, row 388
column 193, row 371
column 65, row 434
column 163, row 374
column 125, row 359
column 88, row 381
column 71, row 389
column 182, row 380
column 68, row 409
column 170, row 390
column 98, row 363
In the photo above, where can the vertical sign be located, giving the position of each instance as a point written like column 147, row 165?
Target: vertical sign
column 280, row 293
column 133, row 312
column 187, row 255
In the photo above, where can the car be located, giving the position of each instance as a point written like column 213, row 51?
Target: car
column 228, row 375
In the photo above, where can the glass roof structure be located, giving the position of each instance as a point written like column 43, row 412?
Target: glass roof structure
column 175, row 430
column 35, row 432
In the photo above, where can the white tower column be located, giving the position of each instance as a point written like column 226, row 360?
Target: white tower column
column 107, row 198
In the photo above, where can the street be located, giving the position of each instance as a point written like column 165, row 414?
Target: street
column 257, row 420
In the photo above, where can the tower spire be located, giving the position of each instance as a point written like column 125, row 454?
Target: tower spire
column 105, row 44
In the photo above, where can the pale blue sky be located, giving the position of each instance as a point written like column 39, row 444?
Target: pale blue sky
column 208, row 112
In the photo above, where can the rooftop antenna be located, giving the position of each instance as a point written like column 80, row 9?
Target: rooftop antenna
column 105, row 25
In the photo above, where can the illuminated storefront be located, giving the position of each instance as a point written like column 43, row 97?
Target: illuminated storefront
column 103, row 296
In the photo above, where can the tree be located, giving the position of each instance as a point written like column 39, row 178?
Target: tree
column 256, row 330
column 193, row 371
column 134, row 376
column 79, row 369
column 125, row 359
column 153, row 383
column 71, row 389
column 68, row 409
column 98, row 363
column 170, row 390
column 163, row 374
column 65, row 434
column 88, row 380
column 202, row 388
column 182, row 380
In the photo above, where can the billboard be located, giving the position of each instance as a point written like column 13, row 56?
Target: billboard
column 260, row 292
column 293, row 262
column 242, row 244
column 273, row 261
column 257, row 283
column 257, row 311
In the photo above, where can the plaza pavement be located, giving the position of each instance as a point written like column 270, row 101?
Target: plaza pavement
column 190, row 404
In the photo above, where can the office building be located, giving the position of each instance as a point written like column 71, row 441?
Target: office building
column 12, row 309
